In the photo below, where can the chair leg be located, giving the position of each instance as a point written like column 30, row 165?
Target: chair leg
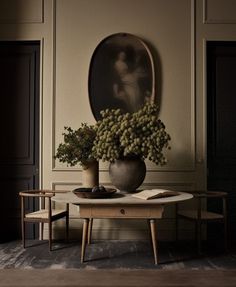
column 196, row 233
column 176, row 223
column 23, row 232
column 199, row 237
column 42, row 229
column 225, row 224
column 226, row 235
column 50, row 235
column 23, row 221
column 67, row 226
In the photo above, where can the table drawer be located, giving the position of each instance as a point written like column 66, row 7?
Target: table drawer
column 120, row 211
column 128, row 211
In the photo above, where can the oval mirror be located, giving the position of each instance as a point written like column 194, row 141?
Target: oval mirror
column 121, row 74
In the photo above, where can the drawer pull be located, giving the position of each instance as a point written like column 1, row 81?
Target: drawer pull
column 122, row 211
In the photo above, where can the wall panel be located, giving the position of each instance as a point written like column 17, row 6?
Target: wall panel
column 219, row 12
column 69, row 32
column 81, row 25
column 21, row 11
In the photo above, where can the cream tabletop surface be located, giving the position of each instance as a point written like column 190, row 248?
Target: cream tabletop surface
column 119, row 198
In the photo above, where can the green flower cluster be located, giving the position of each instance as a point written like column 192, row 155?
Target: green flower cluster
column 141, row 134
column 77, row 146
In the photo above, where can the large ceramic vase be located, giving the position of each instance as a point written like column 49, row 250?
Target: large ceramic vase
column 127, row 174
column 90, row 174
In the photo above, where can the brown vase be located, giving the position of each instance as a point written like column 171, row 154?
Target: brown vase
column 90, row 174
column 127, row 174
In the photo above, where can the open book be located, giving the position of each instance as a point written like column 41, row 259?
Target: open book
column 154, row 193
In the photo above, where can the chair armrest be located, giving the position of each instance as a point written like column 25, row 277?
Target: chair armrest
column 37, row 193
column 208, row 194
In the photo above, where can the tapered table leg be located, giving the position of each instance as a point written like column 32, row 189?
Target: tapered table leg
column 90, row 226
column 154, row 239
column 84, row 238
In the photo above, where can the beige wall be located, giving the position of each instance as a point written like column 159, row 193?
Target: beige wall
column 176, row 31
column 79, row 27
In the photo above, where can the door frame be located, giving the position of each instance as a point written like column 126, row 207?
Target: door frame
column 37, row 136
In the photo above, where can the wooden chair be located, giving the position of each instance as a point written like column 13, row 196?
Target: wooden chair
column 47, row 215
column 200, row 216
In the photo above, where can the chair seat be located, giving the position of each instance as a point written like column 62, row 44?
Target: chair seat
column 205, row 215
column 43, row 213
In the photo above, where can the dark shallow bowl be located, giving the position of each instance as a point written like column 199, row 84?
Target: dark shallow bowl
column 85, row 192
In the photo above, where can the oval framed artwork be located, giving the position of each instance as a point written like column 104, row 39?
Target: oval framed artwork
column 121, row 74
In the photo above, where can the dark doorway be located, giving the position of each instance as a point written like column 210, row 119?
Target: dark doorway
column 221, row 125
column 19, row 126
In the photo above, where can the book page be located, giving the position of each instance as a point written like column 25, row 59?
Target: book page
column 154, row 193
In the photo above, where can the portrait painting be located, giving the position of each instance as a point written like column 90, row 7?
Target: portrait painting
column 121, row 74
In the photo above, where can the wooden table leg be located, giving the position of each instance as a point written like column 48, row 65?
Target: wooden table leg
column 84, row 238
column 90, row 226
column 149, row 231
column 154, row 239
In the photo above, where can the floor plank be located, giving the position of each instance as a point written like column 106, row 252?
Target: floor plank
column 115, row 278
column 114, row 263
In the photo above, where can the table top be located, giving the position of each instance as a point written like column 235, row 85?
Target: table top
column 119, row 198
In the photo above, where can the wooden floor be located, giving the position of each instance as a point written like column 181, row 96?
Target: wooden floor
column 113, row 255
column 114, row 263
column 117, row 278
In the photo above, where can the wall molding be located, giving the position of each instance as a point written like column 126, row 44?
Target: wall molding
column 16, row 18
column 41, row 94
column 53, row 101
column 121, row 234
column 188, row 186
column 208, row 20
column 193, row 86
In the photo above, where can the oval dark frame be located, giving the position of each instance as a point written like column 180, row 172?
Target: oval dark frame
column 121, row 74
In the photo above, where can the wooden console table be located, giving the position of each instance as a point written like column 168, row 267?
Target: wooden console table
column 123, row 206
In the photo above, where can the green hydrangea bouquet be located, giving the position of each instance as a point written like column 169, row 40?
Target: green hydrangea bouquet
column 131, row 135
